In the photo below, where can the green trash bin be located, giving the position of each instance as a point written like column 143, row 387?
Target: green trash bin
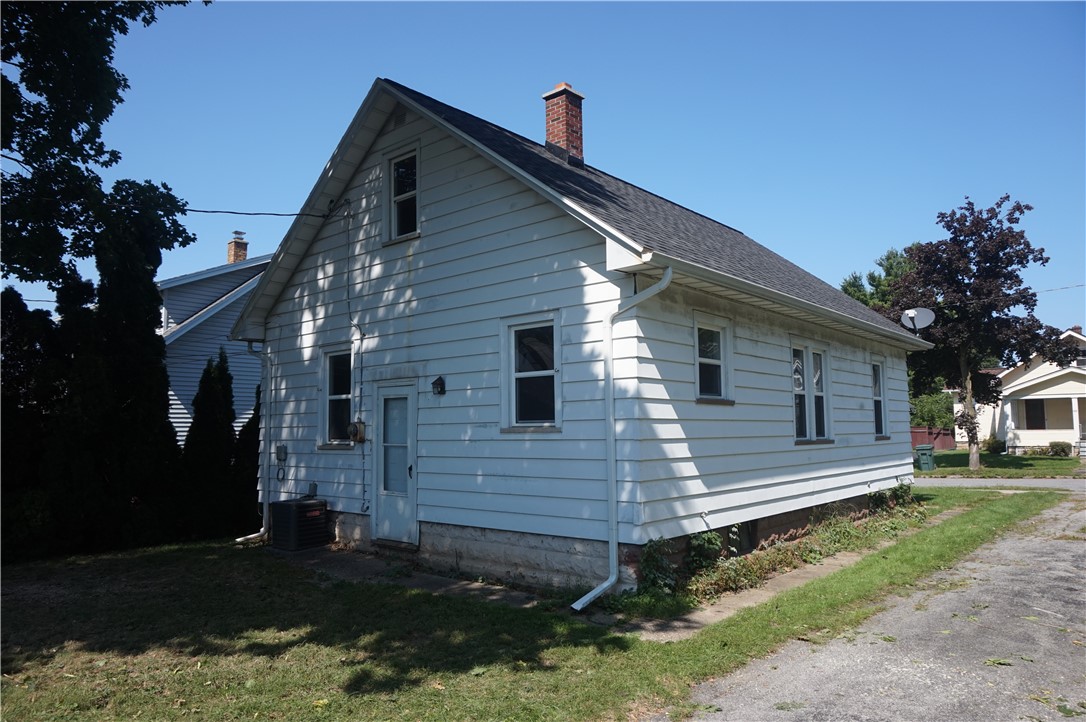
column 925, row 457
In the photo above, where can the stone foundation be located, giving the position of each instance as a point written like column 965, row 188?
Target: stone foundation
column 529, row 560
column 538, row 561
column 533, row 561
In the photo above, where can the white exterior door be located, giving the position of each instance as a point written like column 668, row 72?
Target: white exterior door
column 397, row 475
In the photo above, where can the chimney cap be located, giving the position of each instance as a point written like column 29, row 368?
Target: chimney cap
column 562, row 88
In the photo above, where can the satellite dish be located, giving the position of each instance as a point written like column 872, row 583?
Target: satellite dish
column 917, row 318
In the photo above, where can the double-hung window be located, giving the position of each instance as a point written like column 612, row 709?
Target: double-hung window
column 877, row 396
column 711, row 359
column 336, row 390
column 404, row 210
column 809, row 391
column 533, row 398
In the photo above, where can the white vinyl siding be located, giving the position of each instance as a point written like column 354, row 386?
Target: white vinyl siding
column 680, row 458
column 487, row 248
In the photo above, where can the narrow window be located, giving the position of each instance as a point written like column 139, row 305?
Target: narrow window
column 338, row 397
column 799, row 390
column 534, row 375
column 405, row 218
column 710, row 364
column 1035, row 413
column 818, row 389
column 809, row 393
column 876, row 394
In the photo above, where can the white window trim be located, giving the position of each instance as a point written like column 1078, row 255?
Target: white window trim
column 508, row 377
column 723, row 327
column 879, row 409
column 809, row 349
column 391, row 159
column 324, row 384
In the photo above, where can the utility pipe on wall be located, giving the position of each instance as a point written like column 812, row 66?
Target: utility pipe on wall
column 612, row 450
column 265, row 456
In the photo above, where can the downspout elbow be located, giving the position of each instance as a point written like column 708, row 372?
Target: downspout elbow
column 612, row 441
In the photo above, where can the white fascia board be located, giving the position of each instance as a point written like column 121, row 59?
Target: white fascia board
column 304, row 228
column 904, row 340
column 531, row 181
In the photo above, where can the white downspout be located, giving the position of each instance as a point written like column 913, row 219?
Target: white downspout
column 612, row 450
column 265, row 451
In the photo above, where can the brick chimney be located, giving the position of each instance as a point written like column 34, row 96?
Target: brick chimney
column 565, row 137
column 238, row 248
column 1077, row 329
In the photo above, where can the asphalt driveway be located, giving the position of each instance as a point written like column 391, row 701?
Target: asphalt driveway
column 1001, row 636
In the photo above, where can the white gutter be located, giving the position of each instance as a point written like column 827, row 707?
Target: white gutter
column 612, row 450
column 265, row 455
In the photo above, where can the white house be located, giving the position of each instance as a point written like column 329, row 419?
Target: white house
column 198, row 311
column 484, row 351
column 1041, row 403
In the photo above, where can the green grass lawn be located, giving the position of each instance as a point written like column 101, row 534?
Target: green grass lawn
column 227, row 633
column 1001, row 466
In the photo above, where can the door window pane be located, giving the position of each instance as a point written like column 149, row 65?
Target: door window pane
column 394, row 443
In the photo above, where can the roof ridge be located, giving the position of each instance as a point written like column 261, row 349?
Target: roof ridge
column 542, row 147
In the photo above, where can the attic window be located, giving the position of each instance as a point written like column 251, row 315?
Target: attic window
column 404, row 192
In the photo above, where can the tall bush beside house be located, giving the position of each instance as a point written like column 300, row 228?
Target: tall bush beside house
column 209, row 454
column 246, row 473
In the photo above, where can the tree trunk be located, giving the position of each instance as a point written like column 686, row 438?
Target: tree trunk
column 968, row 420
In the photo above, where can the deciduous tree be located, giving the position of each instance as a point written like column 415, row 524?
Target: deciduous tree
column 973, row 281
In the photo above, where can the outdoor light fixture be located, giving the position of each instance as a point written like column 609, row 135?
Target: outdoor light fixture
column 438, row 386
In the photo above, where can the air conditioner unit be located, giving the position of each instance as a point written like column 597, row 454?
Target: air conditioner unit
column 299, row 524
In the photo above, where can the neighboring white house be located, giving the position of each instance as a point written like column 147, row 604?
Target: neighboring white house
column 486, row 351
column 1041, row 403
column 198, row 311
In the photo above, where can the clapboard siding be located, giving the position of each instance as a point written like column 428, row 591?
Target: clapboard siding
column 188, row 348
column 741, row 461
column 489, row 248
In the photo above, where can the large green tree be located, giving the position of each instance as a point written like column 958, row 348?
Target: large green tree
column 873, row 288
column 972, row 279
column 108, row 452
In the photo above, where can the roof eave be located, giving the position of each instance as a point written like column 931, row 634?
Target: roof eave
column 337, row 173
column 726, row 285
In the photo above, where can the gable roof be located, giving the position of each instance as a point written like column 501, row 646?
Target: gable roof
column 222, row 302
column 653, row 232
column 200, row 275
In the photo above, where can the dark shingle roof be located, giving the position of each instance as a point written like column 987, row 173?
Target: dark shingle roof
column 654, row 222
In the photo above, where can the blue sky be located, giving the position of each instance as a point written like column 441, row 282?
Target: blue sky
column 828, row 132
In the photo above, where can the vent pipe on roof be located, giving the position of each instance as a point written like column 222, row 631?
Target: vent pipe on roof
column 237, row 249
column 565, row 134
